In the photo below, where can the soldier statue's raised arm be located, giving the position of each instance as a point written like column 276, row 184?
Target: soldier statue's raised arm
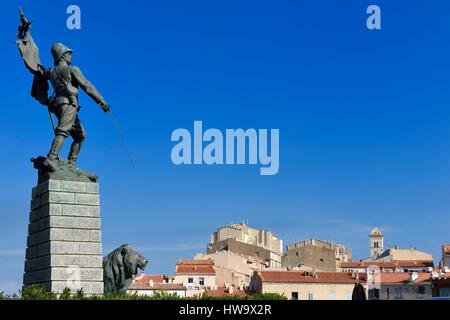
column 66, row 81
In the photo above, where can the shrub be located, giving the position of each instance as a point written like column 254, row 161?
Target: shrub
column 79, row 295
column 36, row 292
column 267, row 296
column 255, row 296
column 66, row 294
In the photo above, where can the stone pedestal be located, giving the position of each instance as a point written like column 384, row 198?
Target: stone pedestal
column 64, row 237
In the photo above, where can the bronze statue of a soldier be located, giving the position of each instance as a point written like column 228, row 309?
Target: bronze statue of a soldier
column 66, row 81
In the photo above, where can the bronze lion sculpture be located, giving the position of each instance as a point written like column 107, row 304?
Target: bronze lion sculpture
column 119, row 267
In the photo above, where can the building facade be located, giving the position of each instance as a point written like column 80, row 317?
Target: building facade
column 441, row 284
column 318, row 254
column 300, row 285
column 195, row 275
column 152, row 284
column 402, row 286
column 242, row 239
column 233, row 269
column 151, row 288
column 363, row 266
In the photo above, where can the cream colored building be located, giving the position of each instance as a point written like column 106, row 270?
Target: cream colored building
column 232, row 269
column 271, row 245
column 300, row 285
column 148, row 285
column 394, row 254
column 195, row 275
column 151, row 288
column 403, row 286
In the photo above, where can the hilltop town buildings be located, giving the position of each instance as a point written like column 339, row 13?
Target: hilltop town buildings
column 242, row 260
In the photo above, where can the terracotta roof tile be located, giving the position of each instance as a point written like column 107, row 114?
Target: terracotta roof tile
column 156, row 286
column 337, row 277
column 366, row 264
column 414, row 263
column 222, row 292
column 400, row 277
column 301, row 277
column 195, row 270
column 195, row 267
column 159, row 278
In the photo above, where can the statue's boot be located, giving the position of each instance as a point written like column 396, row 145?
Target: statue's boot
column 75, row 151
column 52, row 157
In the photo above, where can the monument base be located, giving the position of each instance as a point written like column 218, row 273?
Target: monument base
column 64, row 237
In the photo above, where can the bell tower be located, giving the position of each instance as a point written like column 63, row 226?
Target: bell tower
column 376, row 242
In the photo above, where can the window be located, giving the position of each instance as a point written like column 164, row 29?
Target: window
column 257, row 253
column 421, row 290
column 294, row 295
column 201, row 281
column 374, row 294
column 332, row 295
column 190, row 280
column 310, row 296
column 387, row 293
column 296, row 253
column 399, row 293
column 444, row 292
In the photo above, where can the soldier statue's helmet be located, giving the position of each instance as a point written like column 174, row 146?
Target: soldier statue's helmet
column 58, row 50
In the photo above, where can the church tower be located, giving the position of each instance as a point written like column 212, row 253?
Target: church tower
column 376, row 242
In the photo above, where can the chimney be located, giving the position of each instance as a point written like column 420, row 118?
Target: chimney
column 413, row 276
column 151, row 283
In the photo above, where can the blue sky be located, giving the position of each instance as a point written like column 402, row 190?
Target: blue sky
column 364, row 121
